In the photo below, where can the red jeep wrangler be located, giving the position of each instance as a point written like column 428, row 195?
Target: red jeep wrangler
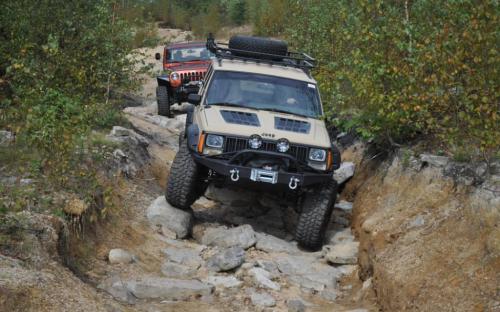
column 184, row 66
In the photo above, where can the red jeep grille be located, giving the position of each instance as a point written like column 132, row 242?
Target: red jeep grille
column 192, row 76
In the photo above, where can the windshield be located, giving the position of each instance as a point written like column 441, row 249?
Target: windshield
column 264, row 92
column 189, row 54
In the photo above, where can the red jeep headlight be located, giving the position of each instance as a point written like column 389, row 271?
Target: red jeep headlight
column 175, row 79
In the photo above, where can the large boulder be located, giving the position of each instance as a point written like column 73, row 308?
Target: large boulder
column 343, row 253
column 262, row 299
column 262, row 279
column 176, row 270
column 243, row 236
column 227, row 259
column 168, row 288
column 344, row 173
column 161, row 213
column 120, row 256
column 185, row 256
column 269, row 243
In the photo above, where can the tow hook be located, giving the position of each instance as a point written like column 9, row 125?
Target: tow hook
column 294, row 182
column 235, row 174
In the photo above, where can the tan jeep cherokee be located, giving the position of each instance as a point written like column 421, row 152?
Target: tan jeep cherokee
column 256, row 121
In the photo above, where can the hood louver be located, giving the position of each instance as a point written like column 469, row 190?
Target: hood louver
column 291, row 125
column 240, row 118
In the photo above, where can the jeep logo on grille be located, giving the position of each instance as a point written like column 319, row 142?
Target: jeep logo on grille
column 268, row 135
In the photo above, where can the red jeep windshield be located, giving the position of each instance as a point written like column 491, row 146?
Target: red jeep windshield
column 189, row 54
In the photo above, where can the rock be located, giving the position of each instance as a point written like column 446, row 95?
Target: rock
column 296, row 305
column 344, row 206
column 345, row 172
column 227, row 259
column 204, row 203
column 344, row 253
column 176, row 270
column 262, row 299
column 434, row 160
column 263, row 278
column 161, row 213
column 118, row 289
column 307, row 273
column 338, row 237
column 329, row 294
column 124, row 135
column 269, row 266
column 185, row 256
column 6, row 138
column 242, row 236
column 223, row 281
column 168, row 288
column 417, row 222
column 120, row 256
column 269, row 243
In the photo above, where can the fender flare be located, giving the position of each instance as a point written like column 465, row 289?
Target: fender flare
column 193, row 137
column 163, row 81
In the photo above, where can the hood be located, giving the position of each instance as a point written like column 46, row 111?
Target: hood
column 236, row 121
column 189, row 66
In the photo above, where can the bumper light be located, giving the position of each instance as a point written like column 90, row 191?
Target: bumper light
column 255, row 141
column 283, row 145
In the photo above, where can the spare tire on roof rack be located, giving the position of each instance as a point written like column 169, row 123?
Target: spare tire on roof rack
column 258, row 47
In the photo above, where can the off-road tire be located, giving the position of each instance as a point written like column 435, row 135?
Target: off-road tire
column 315, row 215
column 257, row 44
column 184, row 185
column 163, row 100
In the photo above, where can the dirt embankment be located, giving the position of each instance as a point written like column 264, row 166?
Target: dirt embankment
column 429, row 241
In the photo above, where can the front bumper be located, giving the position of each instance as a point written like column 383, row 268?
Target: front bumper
column 232, row 170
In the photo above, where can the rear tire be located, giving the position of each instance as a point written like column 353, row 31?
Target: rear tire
column 258, row 44
column 184, row 184
column 163, row 101
column 316, row 211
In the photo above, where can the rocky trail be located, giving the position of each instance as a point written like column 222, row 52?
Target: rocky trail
column 234, row 252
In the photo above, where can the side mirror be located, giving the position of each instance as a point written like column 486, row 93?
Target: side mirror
column 194, row 99
column 158, row 56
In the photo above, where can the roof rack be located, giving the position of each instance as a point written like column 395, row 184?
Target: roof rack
column 290, row 59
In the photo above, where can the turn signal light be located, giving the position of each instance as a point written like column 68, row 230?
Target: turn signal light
column 201, row 142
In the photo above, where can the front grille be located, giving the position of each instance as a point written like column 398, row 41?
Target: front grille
column 233, row 144
column 192, row 76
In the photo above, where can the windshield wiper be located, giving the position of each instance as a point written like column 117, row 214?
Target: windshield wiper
column 277, row 110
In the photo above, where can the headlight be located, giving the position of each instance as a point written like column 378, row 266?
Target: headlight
column 317, row 154
column 255, row 141
column 283, row 145
column 215, row 141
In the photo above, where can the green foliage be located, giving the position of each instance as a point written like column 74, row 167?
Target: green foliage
column 58, row 64
column 402, row 70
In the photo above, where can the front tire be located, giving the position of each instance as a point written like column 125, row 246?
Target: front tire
column 184, row 184
column 163, row 100
column 316, row 211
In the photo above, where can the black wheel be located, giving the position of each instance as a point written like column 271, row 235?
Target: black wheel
column 163, row 100
column 257, row 44
column 184, row 184
column 316, row 211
